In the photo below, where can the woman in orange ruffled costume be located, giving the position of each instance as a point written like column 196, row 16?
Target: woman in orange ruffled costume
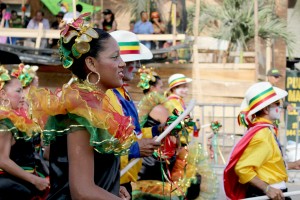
column 85, row 137
column 19, row 177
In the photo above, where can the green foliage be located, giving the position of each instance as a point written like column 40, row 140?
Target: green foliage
column 234, row 21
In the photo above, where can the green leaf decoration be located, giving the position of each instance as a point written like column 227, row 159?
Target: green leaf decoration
column 91, row 32
column 67, row 62
column 82, row 47
column 75, row 53
column 70, row 35
column 84, row 38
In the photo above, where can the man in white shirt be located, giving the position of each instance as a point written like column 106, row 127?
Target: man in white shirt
column 34, row 24
column 69, row 16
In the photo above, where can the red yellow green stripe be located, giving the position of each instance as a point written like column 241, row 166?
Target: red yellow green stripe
column 261, row 97
column 178, row 80
column 129, row 48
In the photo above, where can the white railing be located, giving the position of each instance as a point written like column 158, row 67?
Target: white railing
column 54, row 34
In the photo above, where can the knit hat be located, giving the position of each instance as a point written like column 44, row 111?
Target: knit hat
column 178, row 79
column 257, row 97
column 130, row 47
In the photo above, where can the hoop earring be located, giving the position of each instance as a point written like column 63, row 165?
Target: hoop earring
column 88, row 78
column 5, row 102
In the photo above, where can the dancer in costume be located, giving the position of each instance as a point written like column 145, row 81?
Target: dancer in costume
column 206, row 178
column 256, row 166
column 132, row 51
column 85, row 137
column 164, row 173
column 19, row 178
column 27, row 75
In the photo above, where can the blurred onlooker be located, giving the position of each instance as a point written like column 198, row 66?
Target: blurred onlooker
column 274, row 77
column 15, row 22
column 131, row 25
column 55, row 26
column 2, row 10
column 108, row 23
column 34, row 24
column 69, row 16
column 159, row 28
column 3, row 20
column 143, row 26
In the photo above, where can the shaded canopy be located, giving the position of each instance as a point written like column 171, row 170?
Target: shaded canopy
column 54, row 6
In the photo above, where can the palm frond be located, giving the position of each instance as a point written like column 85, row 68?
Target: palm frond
column 235, row 22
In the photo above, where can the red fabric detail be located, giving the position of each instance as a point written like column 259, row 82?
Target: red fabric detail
column 233, row 188
column 265, row 99
column 122, row 52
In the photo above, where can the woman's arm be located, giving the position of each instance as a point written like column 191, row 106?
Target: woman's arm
column 9, row 166
column 159, row 113
column 81, row 169
column 271, row 192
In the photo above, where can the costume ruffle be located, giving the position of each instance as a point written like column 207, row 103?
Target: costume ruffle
column 187, row 164
column 18, row 123
column 148, row 102
column 110, row 132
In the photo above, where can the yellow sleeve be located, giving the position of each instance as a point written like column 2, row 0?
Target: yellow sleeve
column 254, row 156
column 176, row 104
column 147, row 132
column 132, row 174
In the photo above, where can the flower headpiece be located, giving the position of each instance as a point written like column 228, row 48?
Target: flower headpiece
column 146, row 75
column 25, row 73
column 84, row 32
column 4, row 76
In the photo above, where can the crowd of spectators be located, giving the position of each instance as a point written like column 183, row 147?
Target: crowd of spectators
column 108, row 23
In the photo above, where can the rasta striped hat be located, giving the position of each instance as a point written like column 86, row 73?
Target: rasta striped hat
column 130, row 47
column 178, row 79
column 257, row 97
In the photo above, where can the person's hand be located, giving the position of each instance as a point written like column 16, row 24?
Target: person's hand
column 124, row 193
column 294, row 165
column 155, row 20
column 161, row 127
column 274, row 194
column 40, row 183
column 147, row 146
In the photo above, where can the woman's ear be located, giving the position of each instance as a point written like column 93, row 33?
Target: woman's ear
column 90, row 63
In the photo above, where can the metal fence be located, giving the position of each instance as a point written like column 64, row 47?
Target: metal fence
column 231, row 132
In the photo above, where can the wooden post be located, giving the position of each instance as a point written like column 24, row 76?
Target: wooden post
column 174, row 21
column 256, row 41
column 196, row 84
column 268, row 54
column 39, row 36
column 74, row 9
column 196, row 33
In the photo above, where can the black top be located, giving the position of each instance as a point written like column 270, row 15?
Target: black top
column 106, row 166
column 107, row 25
column 22, row 153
